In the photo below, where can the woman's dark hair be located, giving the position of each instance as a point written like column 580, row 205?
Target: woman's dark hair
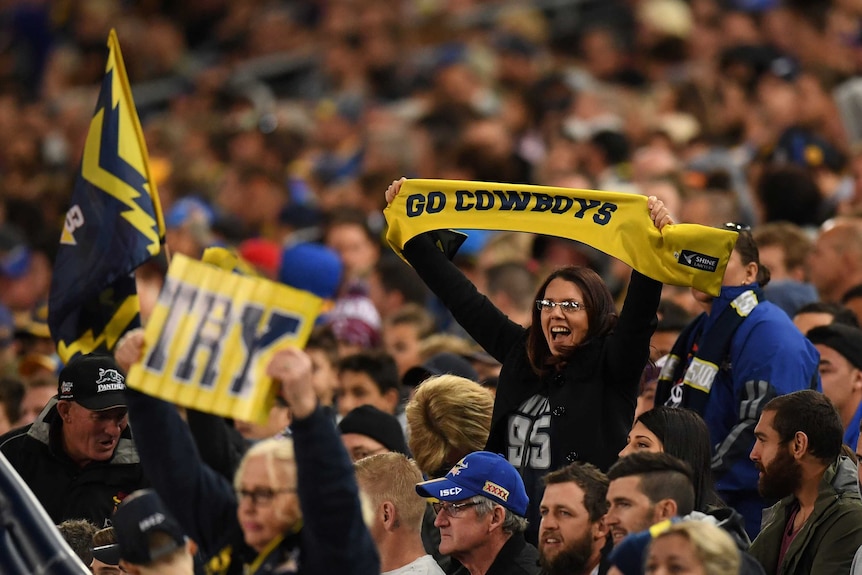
column 598, row 305
column 684, row 434
column 746, row 247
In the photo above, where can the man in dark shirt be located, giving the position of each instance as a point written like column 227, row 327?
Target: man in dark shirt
column 480, row 506
column 78, row 457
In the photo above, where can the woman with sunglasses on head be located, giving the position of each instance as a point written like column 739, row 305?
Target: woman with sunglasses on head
column 728, row 363
column 569, row 383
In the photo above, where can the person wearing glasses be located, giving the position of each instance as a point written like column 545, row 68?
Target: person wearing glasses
column 294, row 504
column 569, row 383
column 481, row 506
column 728, row 363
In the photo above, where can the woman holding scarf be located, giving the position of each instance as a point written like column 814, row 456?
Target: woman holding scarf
column 568, row 385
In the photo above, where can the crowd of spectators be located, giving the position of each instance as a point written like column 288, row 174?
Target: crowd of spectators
column 273, row 129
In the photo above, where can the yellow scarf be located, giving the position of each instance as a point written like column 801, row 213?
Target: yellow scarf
column 616, row 223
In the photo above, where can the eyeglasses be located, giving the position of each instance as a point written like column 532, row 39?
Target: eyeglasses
column 452, row 509
column 567, row 306
column 737, row 227
column 262, row 495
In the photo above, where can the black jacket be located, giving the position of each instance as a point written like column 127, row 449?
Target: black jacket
column 592, row 400
column 516, row 557
column 333, row 538
column 64, row 489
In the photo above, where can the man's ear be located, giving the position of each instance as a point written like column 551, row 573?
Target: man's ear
column 63, row 408
column 498, row 515
column 751, row 269
column 799, row 445
column 664, row 509
column 600, row 530
column 389, row 515
column 392, row 397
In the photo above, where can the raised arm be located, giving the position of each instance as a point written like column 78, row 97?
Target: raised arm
column 335, row 538
column 491, row 328
column 629, row 344
column 202, row 500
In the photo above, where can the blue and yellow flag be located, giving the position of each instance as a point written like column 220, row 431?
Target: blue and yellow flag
column 212, row 334
column 113, row 226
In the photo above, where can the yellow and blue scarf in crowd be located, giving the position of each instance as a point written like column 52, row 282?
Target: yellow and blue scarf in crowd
column 617, row 224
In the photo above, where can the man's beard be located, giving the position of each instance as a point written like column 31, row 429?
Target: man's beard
column 781, row 477
column 571, row 560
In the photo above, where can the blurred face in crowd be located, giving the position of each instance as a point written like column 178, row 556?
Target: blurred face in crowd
column 809, row 320
column 34, row 401
column 361, row 446
column 774, row 258
column 842, row 383
column 91, row 435
column 567, row 535
column 646, row 398
column 356, row 388
column 825, row 263
column 629, row 509
column 673, row 554
column 661, row 343
column 640, row 438
column 268, row 503
column 24, row 292
column 564, row 329
column 780, row 473
column 324, row 377
column 357, row 252
column 401, row 341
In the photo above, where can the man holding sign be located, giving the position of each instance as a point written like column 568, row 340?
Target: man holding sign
column 568, row 386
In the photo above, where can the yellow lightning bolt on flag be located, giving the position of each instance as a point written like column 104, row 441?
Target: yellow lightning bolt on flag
column 114, row 224
column 131, row 149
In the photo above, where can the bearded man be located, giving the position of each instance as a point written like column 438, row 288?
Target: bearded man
column 816, row 527
column 573, row 536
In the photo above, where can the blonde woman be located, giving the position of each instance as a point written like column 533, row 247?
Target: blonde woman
column 693, row 548
column 294, row 505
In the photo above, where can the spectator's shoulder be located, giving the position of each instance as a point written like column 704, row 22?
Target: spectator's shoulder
column 13, row 437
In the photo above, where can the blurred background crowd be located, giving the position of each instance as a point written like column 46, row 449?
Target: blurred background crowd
column 273, row 123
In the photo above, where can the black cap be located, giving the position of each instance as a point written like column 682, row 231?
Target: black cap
column 93, row 381
column 844, row 339
column 108, row 554
column 444, row 362
column 378, row 425
column 139, row 515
